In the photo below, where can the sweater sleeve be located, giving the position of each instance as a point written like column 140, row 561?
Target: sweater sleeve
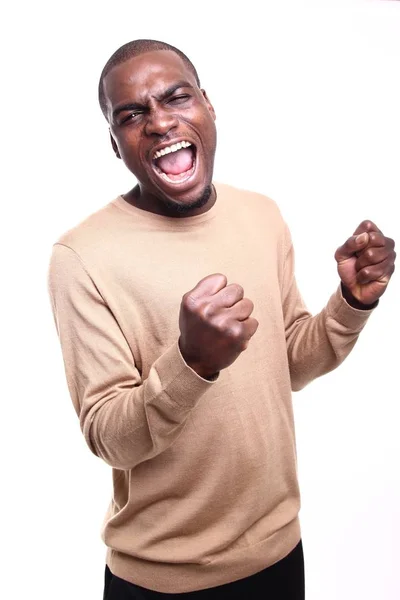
column 316, row 344
column 125, row 420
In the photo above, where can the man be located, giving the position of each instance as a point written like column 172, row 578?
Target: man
column 183, row 333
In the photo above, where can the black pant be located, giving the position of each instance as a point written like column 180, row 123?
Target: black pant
column 282, row 581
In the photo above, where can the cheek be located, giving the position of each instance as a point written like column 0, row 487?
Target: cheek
column 210, row 133
column 129, row 150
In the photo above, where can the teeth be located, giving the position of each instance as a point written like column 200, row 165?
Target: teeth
column 173, row 148
column 185, row 178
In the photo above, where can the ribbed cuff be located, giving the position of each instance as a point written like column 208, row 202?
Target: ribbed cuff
column 342, row 312
column 182, row 384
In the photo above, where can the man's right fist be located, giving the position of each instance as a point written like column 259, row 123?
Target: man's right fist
column 215, row 325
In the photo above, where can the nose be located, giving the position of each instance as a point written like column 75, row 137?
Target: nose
column 160, row 122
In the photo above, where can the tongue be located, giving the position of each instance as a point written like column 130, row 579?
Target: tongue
column 176, row 162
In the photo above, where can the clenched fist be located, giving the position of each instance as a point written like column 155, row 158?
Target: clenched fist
column 215, row 325
column 365, row 264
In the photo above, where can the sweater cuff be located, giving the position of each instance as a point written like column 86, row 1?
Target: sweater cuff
column 350, row 317
column 179, row 381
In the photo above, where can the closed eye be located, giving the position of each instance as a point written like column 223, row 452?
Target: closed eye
column 178, row 99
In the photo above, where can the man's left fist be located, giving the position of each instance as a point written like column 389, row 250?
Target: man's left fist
column 365, row 264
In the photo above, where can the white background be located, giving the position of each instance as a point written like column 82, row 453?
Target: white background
column 307, row 96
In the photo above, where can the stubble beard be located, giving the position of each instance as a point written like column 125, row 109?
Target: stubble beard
column 187, row 207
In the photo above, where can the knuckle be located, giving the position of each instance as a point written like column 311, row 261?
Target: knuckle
column 222, row 276
column 219, row 326
column 233, row 331
column 235, row 290
column 374, row 236
column 219, row 277
column 367, row 224
column 239, row 289
column 185, row 300
column 189, row 301
column 207, row 311
column 186, row 296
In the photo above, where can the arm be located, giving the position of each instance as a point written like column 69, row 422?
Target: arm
column 124, row 419
column 316, row 344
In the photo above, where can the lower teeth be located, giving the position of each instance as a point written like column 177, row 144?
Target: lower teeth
column 185, row 175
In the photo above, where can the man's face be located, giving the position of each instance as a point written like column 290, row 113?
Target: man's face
column 162, row 126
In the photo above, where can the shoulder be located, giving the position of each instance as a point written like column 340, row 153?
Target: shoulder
column 253, row 203
column 92, row 230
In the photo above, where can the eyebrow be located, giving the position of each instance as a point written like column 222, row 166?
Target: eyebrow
column 168, row 92
column 172, row 88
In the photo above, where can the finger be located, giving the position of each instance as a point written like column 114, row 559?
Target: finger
column 354, row 244
column 367, row 226
column 250, row 326
column 208, row 286
column 380, row 272
column 242, row 310
column 377, row 239
column 373, row 256
column 229, row 295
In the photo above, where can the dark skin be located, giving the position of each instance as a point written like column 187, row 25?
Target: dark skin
column 153, row 101
column 365, row 263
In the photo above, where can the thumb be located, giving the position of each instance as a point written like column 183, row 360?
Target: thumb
column 351, row 247
column 208, row 286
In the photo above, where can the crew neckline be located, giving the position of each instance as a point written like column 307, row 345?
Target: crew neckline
column 169, row 222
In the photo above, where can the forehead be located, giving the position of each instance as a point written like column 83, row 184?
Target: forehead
column 148, row 74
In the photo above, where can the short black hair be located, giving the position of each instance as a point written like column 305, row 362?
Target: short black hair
column 132, row 49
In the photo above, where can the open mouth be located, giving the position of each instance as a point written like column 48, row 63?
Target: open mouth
column 176, row 163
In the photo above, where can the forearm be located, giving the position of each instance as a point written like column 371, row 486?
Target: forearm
column 318, row 344
column 141, row 422
column 125, row 419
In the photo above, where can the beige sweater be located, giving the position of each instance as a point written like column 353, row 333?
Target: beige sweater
column 204, row 473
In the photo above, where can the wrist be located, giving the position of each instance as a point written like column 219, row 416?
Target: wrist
column 203, row 373
column 353, row 302
column 197, row 367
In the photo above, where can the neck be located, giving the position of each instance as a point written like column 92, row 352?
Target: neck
column 168, row 207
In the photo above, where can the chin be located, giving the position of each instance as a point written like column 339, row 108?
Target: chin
column 194, row 203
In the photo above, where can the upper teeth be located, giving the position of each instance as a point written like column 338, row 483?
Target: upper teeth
column 173, row 148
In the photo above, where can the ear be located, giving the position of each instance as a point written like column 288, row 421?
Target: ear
column 209, row 105
column 114, row 145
